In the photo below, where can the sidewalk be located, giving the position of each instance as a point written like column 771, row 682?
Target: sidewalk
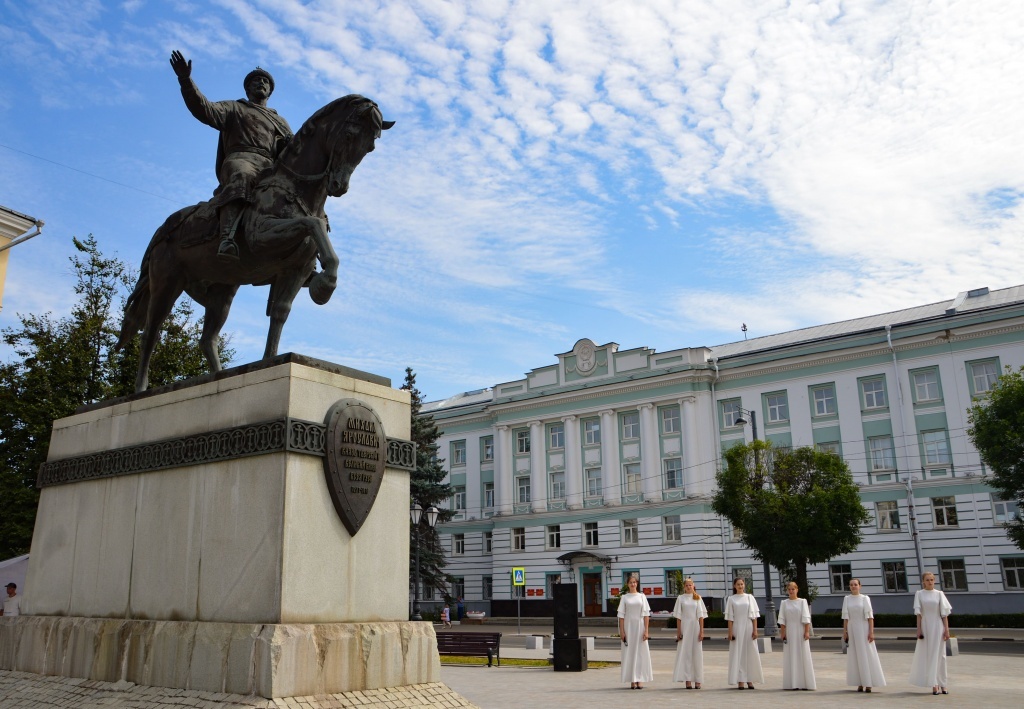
column 977, row 680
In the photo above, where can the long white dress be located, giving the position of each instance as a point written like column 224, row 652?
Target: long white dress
column 689, row 652
column 636, row 653
column 928, row 668
column 863, row 668
column 797, row 669
column 744, row 662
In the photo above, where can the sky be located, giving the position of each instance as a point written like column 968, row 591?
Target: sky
column 654, row 173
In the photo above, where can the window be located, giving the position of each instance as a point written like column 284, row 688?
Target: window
column 519, row 538
column 487, row 448
column 945, row 511
column 936, row 448
column 953, row 574
column 673, row 528
column 674, row 581
column 730, row 412
column 630, row 533
column 556, row 436
column 632, row 474
column 458, row 544
column 557, row 486
column 590, row 538
column 591, row 432
column 550, row 581
column 1013, row 573
column 488, row 495
column 593, row 476
column 888, row 515
column 523, row 488
column 631, row 425
column 883, row 457
column 745, row 573
column 983, row 376
column 488, row 542
column 670, row 419
column 458, row 453
column 428, row 593
column 873, row 391
column 673, row 473
column 926, row 385
column 488, row 588
column 840, row 575
column 459, row 587
column 1004, row 511
column 829, row 447
column 554, row 536
column 778, row 407
column 894, row 576
column 459, row 493
column 824, row 400
column 522, row 441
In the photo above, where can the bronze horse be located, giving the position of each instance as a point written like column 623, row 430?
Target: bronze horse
column 285, row 233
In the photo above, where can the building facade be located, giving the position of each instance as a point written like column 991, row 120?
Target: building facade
column 603, row 463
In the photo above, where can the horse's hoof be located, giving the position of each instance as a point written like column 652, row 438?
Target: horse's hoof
column 321, row 288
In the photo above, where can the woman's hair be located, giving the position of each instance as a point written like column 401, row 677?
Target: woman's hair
column 793, row 583
column 633, row 577
column 852, row 580
column 696, row 596
column 926, row 573
column 738, row 578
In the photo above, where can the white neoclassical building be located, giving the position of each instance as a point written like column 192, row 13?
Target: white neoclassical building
column 603, row 462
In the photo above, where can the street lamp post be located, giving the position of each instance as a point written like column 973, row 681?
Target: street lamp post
column 417, row 514
column 770, row 627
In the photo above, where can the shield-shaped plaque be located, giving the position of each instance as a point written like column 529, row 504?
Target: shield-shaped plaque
column 356, row 452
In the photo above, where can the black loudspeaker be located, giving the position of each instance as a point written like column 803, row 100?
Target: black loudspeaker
column 570, row 654
column 566, row 611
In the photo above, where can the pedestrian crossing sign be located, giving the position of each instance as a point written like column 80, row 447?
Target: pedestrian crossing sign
column 519, row 576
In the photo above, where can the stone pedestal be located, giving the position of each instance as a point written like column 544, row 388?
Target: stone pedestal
column 187, row 538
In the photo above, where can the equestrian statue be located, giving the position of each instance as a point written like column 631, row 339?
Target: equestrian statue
column 265, row 224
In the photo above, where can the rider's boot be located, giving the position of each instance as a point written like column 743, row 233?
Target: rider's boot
column 228, row 249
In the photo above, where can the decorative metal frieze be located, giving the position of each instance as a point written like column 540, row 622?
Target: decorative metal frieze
column 287, row 434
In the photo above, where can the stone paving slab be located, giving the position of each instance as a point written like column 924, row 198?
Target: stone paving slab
column 981, row 681
column 23, row 690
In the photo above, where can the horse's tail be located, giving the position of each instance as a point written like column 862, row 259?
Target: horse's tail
column 136, row 308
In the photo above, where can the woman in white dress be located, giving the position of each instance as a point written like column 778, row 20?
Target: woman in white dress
column 634, row 621
column 795, row 631
column 862, row 666
column 742, row 613
column 928, row 668
column 690, row 613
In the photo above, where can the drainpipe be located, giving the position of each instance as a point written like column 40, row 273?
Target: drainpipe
column 39, row 223
column 718, row 450
column 908, row 481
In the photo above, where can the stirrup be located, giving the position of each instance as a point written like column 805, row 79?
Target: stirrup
column 227, row 250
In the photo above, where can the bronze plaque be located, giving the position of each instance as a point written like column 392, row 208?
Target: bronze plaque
column 356, row 453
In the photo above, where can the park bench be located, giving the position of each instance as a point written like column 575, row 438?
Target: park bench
column 471, row 645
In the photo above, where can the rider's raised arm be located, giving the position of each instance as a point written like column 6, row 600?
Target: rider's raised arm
column 212, row 113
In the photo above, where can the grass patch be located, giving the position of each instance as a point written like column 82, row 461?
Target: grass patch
column 514, row 662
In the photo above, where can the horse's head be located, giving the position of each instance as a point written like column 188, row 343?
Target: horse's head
column 353, row 138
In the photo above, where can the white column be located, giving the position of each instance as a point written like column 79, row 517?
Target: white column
column 611, row 466
column 503, row 482
column 650, row 453
column 688, row 420
column 573, row 464
column 538, row 468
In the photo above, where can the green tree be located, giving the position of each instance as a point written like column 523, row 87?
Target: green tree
column 996, row 428
column 428, row 489
column 791, row 507
column 59, row 364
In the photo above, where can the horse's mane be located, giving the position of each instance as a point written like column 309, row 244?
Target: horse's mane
column 345, row 107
